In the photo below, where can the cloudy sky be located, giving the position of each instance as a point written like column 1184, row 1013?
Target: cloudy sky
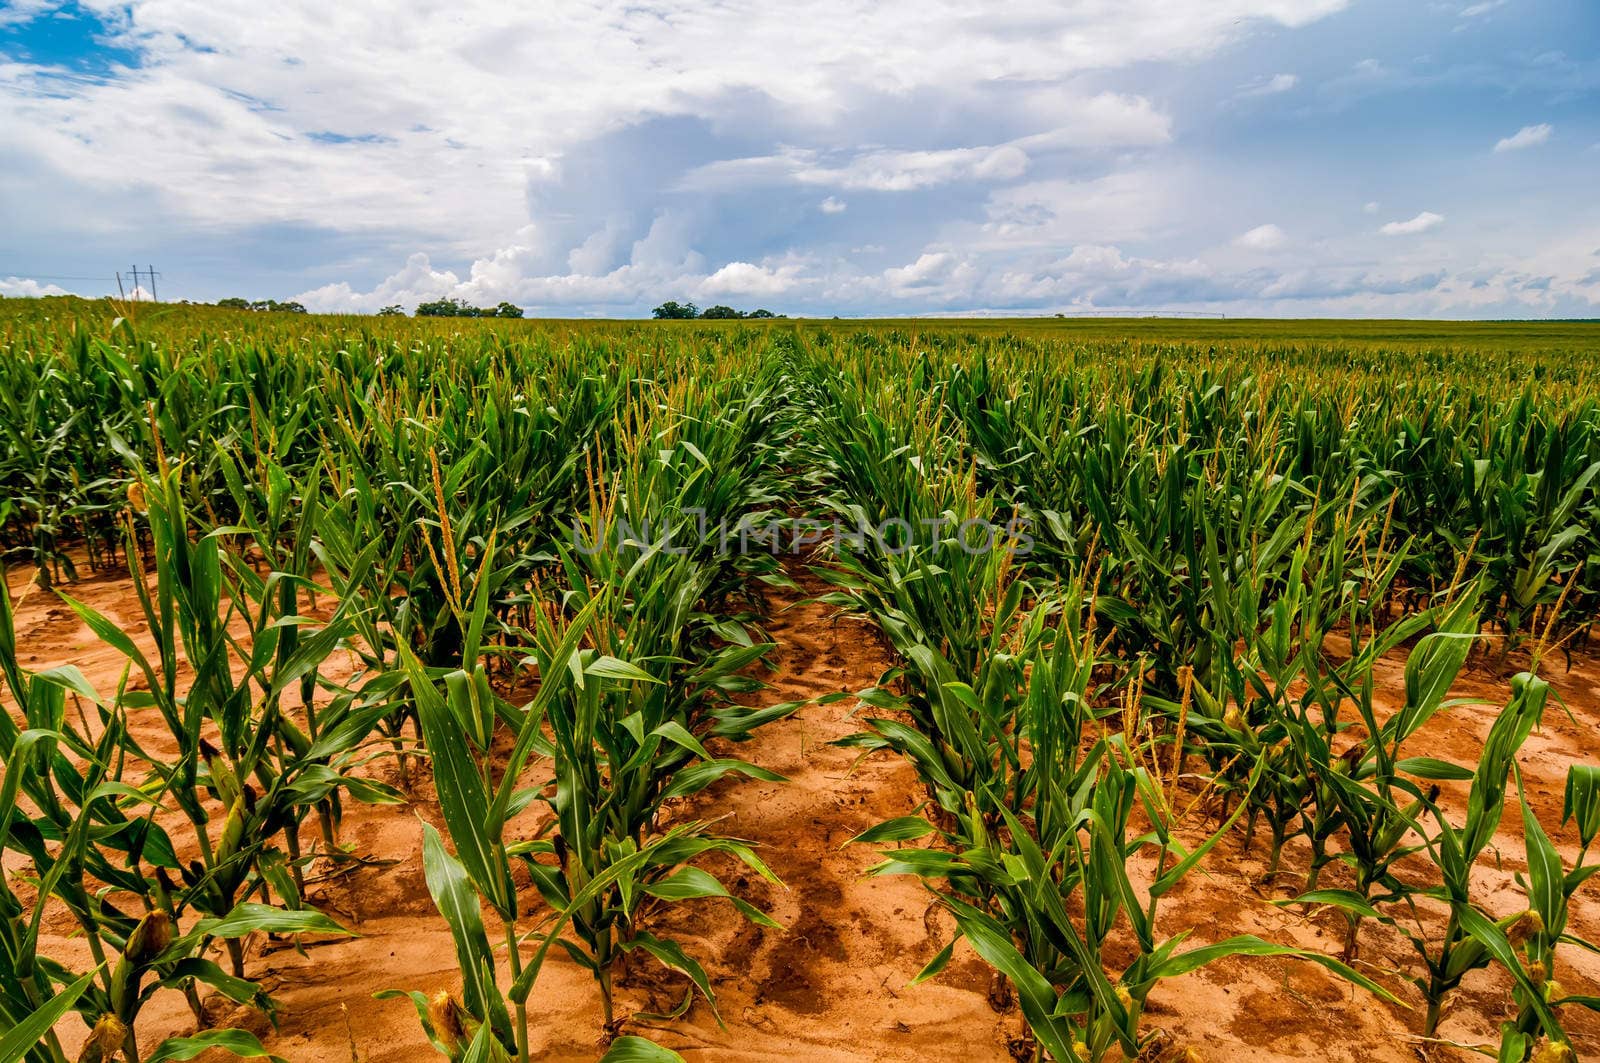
column 1429, row 158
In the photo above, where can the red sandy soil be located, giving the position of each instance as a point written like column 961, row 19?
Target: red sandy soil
column 834, row 985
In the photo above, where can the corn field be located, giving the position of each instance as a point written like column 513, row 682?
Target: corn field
column 1160, row 601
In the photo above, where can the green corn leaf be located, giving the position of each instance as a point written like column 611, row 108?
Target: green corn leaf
column 238, row 1042
column 249, row 918
column 935, row 967
column 687, row 883
column 28, row 1034
column 1036, row 995
column 1582, row 800
column 902, row 829
column 238, row 990
column 1250, row 945
column 457, row 900
column 1494, row 941
column 1345, row 900
column 697, row 777
column 613, row 668
column 1545, row 877
column 484, row 1048
column 463, row 798
column 671, row 955
column 1433, row 769
column 632, row 1049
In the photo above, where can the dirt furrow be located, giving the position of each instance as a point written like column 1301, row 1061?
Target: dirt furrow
column 835, row 984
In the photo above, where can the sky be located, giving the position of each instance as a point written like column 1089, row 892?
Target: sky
column 1291, row 158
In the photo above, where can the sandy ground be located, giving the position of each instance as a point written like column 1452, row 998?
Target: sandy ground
column 834, row 984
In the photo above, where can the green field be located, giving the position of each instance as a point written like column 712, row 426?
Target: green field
column 1136, row 576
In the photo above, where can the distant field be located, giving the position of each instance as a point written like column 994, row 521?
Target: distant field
column 1503, row 334
column 1576, row 336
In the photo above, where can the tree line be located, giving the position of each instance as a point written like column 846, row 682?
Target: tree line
column 672, row 310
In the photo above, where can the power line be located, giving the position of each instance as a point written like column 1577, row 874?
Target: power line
column 29, row 275
column 147, row 274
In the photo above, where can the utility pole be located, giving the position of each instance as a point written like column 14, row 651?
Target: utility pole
column 148, row 274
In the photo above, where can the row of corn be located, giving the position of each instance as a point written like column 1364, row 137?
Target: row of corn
column 351, row 562
column 1182, row 645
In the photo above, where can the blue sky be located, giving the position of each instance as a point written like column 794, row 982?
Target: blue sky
column 1281, row 157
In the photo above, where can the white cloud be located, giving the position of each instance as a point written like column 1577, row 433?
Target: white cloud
column 981, row 154
column 1262, row 238
column 1267, row 86
column 935, row 275
column 900, row 171
column 1529, row 136
column 871, row 171
column 1370, row 207
column 1561, row 277
column 1483, row 7
column 306, row 114
column 1107, row 120
column 1104, row 120
column 745, row 278
column 1410, row 227
column 27, row 288
column 417, row 281
column 1055, row 212
column 17, row 12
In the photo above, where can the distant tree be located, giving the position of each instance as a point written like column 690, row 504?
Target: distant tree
column 720, row 313
column 392, row 310
column 449, row 307
column 761, row 313
column 446, row 307
column 234, row 303
column 272, row 305
column 672, row 310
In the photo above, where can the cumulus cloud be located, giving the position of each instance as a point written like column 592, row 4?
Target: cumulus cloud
column 417, row 281
column 1529, row 136
column 1262, row 238
column 27, row 288
column 745, row 278
column 833, row 205
column 324, row 118
column 1411, row 226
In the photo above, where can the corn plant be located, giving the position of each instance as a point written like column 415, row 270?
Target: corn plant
column 1550, row 888
column 1377, row 792
column 1469, row 940
column 94, row 826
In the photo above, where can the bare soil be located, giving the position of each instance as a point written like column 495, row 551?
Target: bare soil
column 834, row 985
